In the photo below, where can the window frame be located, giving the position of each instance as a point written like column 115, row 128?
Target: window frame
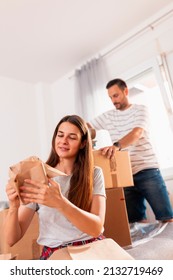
column 158, row 66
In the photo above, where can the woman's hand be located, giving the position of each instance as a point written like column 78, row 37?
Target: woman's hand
column 12, row 196
column 49, row 195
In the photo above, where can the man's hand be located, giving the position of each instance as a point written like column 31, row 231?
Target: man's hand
column 109, row 151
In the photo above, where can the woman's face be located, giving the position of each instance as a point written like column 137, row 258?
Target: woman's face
column 68, row 141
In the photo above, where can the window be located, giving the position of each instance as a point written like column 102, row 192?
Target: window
column 144, row 89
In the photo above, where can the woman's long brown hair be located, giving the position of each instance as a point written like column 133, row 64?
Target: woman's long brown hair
column 81, row 183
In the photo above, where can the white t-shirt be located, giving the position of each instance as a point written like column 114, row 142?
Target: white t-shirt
column 54, row 228
column 119, row 123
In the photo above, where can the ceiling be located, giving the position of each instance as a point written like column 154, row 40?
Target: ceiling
column 43, row 40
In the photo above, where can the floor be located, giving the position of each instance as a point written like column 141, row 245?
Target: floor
column 152, row 241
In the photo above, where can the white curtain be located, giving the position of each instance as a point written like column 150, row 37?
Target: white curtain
column 90, row 80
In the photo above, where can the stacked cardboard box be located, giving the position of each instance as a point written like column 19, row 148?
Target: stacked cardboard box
column 117, row 171
column 117, row 174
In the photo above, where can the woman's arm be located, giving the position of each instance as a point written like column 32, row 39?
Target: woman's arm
column 130, row 139
column 18, row 218
column 89, row 222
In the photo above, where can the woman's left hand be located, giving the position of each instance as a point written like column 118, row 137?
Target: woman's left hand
column 49, row 195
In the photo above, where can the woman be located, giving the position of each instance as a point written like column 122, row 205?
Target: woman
column 71, row 208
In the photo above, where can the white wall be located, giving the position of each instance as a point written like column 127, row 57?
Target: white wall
column 18, row 123
column 29, row 113
column 63, row 98
column 137, row 51
column 28, row 116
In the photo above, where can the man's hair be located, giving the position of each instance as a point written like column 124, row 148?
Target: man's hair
column 120, row 83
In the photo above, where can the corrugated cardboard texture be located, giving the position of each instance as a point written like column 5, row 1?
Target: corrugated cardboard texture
column 27, row 248
column 116, row 221
column 117, row 171
column 105, row 249
column 8, row 257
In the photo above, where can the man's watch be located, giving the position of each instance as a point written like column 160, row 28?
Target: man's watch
column 117, row 144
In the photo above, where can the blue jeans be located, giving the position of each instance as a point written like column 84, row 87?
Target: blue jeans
column 148, row 185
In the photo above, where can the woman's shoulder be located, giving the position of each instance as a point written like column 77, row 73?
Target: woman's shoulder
column 98, row 175
column 97, row 170
column 99, row 183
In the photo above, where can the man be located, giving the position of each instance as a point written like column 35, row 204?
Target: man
column 128, row 126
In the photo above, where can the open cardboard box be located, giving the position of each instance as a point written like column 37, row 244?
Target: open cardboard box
column 105, row 249
column 8, row 256
column 25, row 249
column 117, row 171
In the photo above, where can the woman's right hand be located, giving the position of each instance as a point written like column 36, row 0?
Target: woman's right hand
column 12, row 196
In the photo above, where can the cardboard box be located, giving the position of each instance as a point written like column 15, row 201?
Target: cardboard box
column 8, row 257
column 116, row 220
column 105, row 249
column 117, row 171
column 25, row 249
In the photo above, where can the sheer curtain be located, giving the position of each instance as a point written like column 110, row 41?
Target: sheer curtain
column 90, row 80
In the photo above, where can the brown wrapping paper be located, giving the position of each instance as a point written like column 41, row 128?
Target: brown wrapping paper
column 31, row 168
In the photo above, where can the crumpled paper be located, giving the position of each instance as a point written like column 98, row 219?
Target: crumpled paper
column 31, row 168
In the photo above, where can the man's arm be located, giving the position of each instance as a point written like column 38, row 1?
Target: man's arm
column 129, row 139
column 91, row 130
